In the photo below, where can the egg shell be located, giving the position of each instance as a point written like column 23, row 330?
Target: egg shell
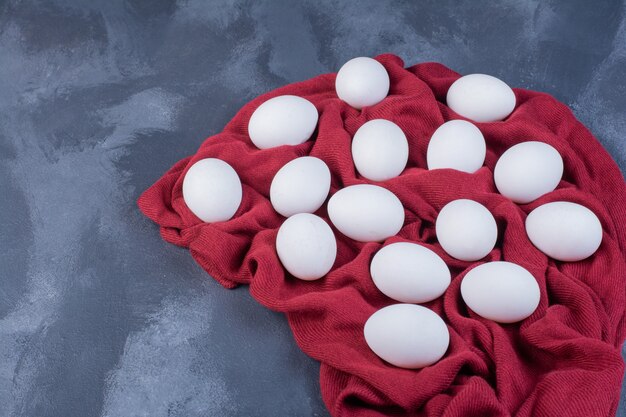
column 481, row 98
column 407, row 335
column 409, row 273
column 306, row 246
column 300, row 186
column 500, row 291
column 564, row 231
column 212, row 190
column 282, row 120
column 466, row 230
column 456, row 144
column 362, row 82
column 366, row 213
column 380, row 150
column 527, row 171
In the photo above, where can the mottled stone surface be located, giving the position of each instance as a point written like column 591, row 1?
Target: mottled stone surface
column 98, row 316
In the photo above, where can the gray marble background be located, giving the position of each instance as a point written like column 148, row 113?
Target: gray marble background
column 98, row 316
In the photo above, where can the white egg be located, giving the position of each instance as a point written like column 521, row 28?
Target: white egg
column 300, row 186
column 306, row 246
column 564, row 231
column 366, row 213
column 282, row 120
column 212, row 190
column 527, row 171
column 362, row 82
column 409, row 273
column 456, row 144
column 481, row 98
column 500, row 291
column 407, row 335
column 466, row 230
column 380, row 150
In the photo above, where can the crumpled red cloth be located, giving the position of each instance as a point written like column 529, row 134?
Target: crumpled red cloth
column 564, row 360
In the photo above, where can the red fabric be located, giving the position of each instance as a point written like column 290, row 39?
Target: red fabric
column 564, row 360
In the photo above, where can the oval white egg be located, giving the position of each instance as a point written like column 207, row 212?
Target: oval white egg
column 212, row 190
column 527, row 171
column 500, row 291
column 466, row 230
column 366, row 213
column 300, row 186
column 564, row 231
column 380, row 150
column 362, row 82
column 409, row 273
column 456, row 144
column 481, row 98
column 282, row 120
column 407, row 335
column 306, row 246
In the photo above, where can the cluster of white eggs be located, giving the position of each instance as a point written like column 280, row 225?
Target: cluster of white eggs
column 405, row 335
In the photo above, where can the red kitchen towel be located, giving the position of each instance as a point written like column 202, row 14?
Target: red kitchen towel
column 564, row 360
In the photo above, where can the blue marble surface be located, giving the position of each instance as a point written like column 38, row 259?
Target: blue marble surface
column 100, row 317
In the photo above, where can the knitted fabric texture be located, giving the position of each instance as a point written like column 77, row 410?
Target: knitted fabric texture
column 563, row 360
